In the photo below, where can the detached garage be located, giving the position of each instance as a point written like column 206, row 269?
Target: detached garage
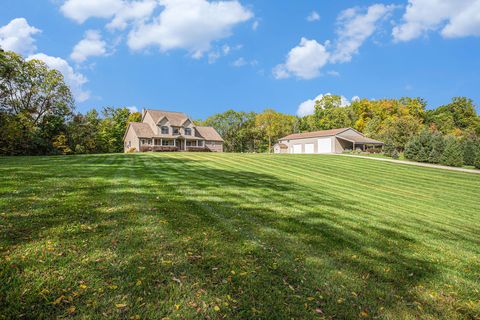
column 325, row 141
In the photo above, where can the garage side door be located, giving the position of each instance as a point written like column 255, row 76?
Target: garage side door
column 325, row 145
column 297, row 148
column 309, row 148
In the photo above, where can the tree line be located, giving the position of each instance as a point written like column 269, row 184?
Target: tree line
column 37, row 117
column 37, row 114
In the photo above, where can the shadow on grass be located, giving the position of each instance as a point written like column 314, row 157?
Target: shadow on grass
column 158, row 236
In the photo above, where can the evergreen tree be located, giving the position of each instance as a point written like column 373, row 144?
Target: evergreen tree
column 438, row 145
column 412, row 149
column 469, row 152
column 477, row 158
column 453, row 153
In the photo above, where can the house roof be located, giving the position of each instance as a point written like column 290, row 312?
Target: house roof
column 209, row 133
column 142, row 130
column 314, row 134
column 175, row 118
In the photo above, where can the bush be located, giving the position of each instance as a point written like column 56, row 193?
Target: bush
column 389, row 149
column 79, row 149
column 395, row 154
column 374, row 150
column 453, row 153
column 131, row 150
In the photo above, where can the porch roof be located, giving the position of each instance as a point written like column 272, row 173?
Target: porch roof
column 360, row 139
column 177, row 137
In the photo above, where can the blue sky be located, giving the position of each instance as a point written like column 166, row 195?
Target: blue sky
column 205, row 57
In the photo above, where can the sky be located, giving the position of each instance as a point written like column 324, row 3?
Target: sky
column 205, row 57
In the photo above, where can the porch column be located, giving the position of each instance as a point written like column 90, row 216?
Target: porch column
column 174, row 142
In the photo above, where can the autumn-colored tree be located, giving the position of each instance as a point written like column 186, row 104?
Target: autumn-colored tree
column 274, row 125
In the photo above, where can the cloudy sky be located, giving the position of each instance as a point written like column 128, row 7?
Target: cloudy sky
column 204, row 57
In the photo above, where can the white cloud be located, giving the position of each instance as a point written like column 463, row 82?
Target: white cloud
column 356, row 26
column 189, row 24
column 81, row 10
column 132, row 11
column 308, row 107
column 255, row 25
column 454, row 18
column 333, row 73
column 73, row 79
column 304, row 61
column 91, row 45
column 240, row 62
column 313, row 16
column 132, row 109
column 17, row 36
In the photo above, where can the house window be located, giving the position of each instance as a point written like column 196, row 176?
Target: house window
column 200, row 143
column 164, row 130
column 188, row 131
column 175, row 130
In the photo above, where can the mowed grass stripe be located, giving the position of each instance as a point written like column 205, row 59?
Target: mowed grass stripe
column 368, row 195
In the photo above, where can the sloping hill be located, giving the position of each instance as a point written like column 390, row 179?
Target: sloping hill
column 236, row 236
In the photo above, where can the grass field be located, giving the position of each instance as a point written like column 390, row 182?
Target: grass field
column 184, row 236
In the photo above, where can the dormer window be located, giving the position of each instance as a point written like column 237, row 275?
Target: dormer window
column 164, row 130
column 188, row 131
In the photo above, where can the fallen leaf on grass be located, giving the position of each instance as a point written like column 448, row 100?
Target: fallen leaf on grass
column 216, row 308
column 364, row 314
column 120, row 305
column 71, row 309
column 58, row 300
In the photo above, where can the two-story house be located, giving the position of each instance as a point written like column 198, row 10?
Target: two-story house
column 170, row 131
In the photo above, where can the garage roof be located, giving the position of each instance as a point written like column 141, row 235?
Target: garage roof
column 315, row 134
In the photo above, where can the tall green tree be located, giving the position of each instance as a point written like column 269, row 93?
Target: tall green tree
column 273, row 125
column 35, row 101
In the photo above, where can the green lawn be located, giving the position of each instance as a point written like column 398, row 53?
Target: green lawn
column 225, row 236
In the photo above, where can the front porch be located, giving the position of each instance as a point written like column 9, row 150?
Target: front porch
column 171, row 144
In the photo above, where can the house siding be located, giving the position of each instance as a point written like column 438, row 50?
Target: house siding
column 131, row 137
column 214, row 146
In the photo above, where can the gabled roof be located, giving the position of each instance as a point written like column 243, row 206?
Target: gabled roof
column 175, row 118
column 142, row 130
column 314, row 134
column 209, row 133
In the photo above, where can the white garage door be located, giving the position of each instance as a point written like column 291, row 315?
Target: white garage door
column 297, row 148
column 325, row 145
column 309, row 148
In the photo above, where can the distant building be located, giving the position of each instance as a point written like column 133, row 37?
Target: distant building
column 325, row 141
column 170, row 131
